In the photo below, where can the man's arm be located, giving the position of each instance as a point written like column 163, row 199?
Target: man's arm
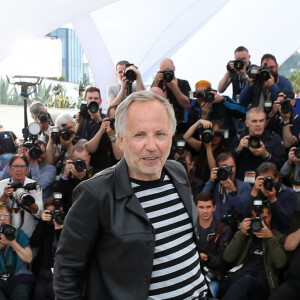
column 224, row 83
column 45, row 176
column 81, row 230
column 179, row 94
column 292, row 241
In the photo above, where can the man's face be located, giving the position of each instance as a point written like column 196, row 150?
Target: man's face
column 205, row 210
column 45, row 125
column 231, row 164
column 93, row 97
column 18, row 170
column 244, row 55
column 166, row 64
column 84, row 155
column 256, row 123
column 147, row 140
column 271, row 64
column 120, row 72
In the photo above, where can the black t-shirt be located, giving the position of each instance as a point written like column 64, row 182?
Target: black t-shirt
column 7, row 142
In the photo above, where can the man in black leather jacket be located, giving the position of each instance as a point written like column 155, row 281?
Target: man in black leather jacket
column 130, row 233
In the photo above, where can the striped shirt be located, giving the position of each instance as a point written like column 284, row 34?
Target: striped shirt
column 176, row 268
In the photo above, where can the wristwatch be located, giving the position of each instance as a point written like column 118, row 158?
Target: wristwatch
column 113, row 138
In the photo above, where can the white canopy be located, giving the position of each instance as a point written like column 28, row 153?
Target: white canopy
column 200, row 35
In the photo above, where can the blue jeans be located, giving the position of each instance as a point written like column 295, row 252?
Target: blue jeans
column 214, row 287
column 247, row 287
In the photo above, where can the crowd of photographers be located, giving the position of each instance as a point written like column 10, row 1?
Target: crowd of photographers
column 241, row 155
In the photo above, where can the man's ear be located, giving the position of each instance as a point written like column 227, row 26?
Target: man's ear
column 120, row 142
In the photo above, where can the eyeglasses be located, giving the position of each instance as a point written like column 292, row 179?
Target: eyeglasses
column 18, row 167
column 4, row 215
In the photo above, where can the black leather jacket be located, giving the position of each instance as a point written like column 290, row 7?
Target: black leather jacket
column 107, row 245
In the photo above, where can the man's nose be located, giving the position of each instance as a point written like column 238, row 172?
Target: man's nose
column 150, row 143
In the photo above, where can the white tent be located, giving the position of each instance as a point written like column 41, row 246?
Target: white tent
column 200, row 35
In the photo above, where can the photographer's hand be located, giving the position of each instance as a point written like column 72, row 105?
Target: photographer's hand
column 265, row 232
column 67, row 168
column 205, row 108
column 203, row 256
column 229, row 185
column 79, row 175
column 258, row 184
column 243, row 143
column 213, row 174
column 158, row 78
column 245, row 226
column 261, row 151
column 271, row 195
column 269, row 82
column 8, row 191
column 57, row 226
column 46, row 215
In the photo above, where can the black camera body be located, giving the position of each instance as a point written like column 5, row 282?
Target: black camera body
column 43, row 117
column 207, row 95
column 57, row 214
column 22, row 191
column 256, row 222
column 168, row 75
column 297, row 152
column 65, row 133
column 238, row 65
column 260, row 74
column 130, row 74
column 8, row 230
column 79, row 164
column 112, row 122
column 286, row 106
column 254, row 142
column 224, row 172
column 269, row 183
column 207, row 134
column 54, row 133
column 35, row 150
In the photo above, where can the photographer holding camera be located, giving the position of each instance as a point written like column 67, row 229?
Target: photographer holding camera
column 265, row 83
column 24, row 214
column 230, row 193
column 210, row 105
column 175, row 90
column 42, row 173
column 255, row 146
column 45, row 238
column 283, row 120
column 127, row 83
column 257, row 257
column 104, row 149
column 237, row 73
column 16, row 280
column 75, row 171
column 213, row 237
column 282, row 199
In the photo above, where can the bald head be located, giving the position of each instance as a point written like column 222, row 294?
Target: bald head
column 157, row 90
column 166, row 63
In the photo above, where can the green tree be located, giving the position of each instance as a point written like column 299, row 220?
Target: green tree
column 295, row 80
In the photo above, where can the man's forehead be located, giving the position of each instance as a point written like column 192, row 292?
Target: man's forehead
column 256, row 116
column 243, row 53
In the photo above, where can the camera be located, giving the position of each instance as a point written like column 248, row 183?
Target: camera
column 297, row 152
column 65, row 133
column 238, row 65
column 268, row 105
column 207, row 272
column 254, row 141
column 83, row 110
column 269, row 183
column 54, row 133
column 21, row 191
column 93, row 107
column 112, row 123
column 35, row 150
column 57, row 214
column 43, row 117
column 130, row 74
column 256, row 222
column 260, row 74
column 168, row 75
column 230, row 219
column 224, row 172
column 208, row 134
column 8, row 230
column 79, row 164
column 207, row 95
column 286, row 106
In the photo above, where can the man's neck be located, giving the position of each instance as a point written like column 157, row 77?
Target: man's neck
column 206, row 223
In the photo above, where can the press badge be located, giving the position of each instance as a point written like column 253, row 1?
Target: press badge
column 249, row 177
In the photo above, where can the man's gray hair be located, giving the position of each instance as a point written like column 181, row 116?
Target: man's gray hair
column 64, row 118
column 36, row 107
column 255, row 110
column 122, row 109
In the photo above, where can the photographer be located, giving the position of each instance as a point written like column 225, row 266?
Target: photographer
column 104, row 149
column 213, row 237
column 282, row 200
column 255, row 146
column 257, row 257
column 210, row 105
column 237, row 73
column 207, row 150
column 116, row 93
column 16, row 280
column 75, row 171
column 45, row 237
column 283, row 120
column 42, row 173
column 175, row 90
column 24, row 215
column 90, row 116
column 230, row 193
column 264, row 88
column 40, row 115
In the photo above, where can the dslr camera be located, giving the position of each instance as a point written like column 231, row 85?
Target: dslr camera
column 238, row 65
column 256, row 222
column 297, row 152
column 168, row 75
column 43, row 117
column 254, row 141
column 64, row 133
column 224, row 172
column 130, row 74
column 286, row 106
column 260, row 74
column 207, row 134
column 112, row 122
column 57, row 214
column 22, row 192
column 35, row 150
column 79, row 164
column 269, row 183
column 207, row 95
column 8, row 230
